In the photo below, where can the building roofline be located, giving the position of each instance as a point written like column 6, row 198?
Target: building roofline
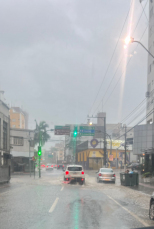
column 19, row 129
column 4, row 104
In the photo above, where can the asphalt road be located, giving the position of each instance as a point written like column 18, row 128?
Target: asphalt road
column 49, row 203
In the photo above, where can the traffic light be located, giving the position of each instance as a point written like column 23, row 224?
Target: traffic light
column 75, row 132
column 39, row 151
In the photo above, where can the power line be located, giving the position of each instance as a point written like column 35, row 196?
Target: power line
column 122, row 59
column 136, row 116
column 134, row 110
column 111, row 57
column 126, row 66
column 137, row 123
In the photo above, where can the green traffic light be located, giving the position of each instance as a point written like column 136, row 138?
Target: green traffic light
column 39, row 151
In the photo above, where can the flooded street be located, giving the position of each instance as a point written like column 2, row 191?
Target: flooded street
column 48, row 203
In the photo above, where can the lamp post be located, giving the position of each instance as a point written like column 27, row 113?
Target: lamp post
column 129, row 40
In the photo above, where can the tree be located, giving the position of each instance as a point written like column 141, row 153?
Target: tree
column 41, row 134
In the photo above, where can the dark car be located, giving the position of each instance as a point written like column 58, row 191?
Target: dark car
column 60, row 166
column 151, row 207
column 134, row 166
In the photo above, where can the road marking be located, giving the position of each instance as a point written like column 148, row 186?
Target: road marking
column 131, row 213
column 62, row 188
column 54, row 205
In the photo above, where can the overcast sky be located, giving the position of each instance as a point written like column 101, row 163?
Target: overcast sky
column 54, row 54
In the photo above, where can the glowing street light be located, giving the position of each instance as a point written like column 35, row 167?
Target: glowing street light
column 90, row 123
column 129, row 40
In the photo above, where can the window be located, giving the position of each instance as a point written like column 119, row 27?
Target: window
column 13, row 125
column 4, row 135
column 13, row 120
column 149, row 68
column 75, row 168
column 106, row 171
column 150, row 31
column 151, row 12
column 18, row 141
column 149, row 87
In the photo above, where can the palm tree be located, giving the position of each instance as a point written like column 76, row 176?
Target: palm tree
column 41, row 133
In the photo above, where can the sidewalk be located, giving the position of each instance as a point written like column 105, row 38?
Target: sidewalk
column 145, row 188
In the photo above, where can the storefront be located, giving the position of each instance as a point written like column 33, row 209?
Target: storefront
column 94, row 158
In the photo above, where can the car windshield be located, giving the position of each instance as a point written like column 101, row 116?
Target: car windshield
column 76, row 114
column 71, row 168
column 106, row 170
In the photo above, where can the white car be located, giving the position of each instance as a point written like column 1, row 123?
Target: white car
column 74, row 173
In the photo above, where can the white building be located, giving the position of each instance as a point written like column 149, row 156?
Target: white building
column 5, row 162
column 22, row 149
column 150, row 74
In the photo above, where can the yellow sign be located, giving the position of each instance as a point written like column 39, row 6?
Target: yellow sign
column 115, row 143
column 95, row 153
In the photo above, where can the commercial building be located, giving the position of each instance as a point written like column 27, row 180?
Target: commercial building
column 143, row 145
column 150, row 74
column 82, row 145
column 5, row 157
column 22, row 149
column 18, row 118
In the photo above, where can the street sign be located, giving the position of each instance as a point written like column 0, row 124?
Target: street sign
column 62, row 130
column 110, row 157
column 33, row 158
column 94, row 143
column 87, row 130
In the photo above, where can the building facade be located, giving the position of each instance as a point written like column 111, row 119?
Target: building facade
column 18, row 118
column 115, row 132
column 150, row 73
column 22, row 149
column 5, row 157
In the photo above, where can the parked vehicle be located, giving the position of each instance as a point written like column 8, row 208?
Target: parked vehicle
column 133, row 166
column 49, row 167
column 151, row 207
column 74, row 173
column 106, row 174
column 60, row 166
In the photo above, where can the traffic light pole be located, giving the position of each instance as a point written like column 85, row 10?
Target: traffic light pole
column 39, row 155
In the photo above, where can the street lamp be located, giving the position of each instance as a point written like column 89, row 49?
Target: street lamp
column 129, row 40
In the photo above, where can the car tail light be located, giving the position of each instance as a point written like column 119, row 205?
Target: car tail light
column 100, row 174
column 67, row 172
column 47, row 166
column 63, row 165
column 82, row 179
column 51, row 165
column 66, row 178
column 113, row 175
column 58, row 165
column 82, row 172
column 55, row 165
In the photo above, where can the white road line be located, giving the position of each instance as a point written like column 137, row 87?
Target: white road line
column 62, row 188
column 54, row 205
column 131, row 213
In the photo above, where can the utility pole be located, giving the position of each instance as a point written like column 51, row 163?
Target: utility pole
column 105, row 141
column 29, row 156
column 125, row 146
column 39, row 154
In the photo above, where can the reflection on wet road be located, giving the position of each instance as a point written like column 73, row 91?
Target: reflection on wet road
column 49, row 203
